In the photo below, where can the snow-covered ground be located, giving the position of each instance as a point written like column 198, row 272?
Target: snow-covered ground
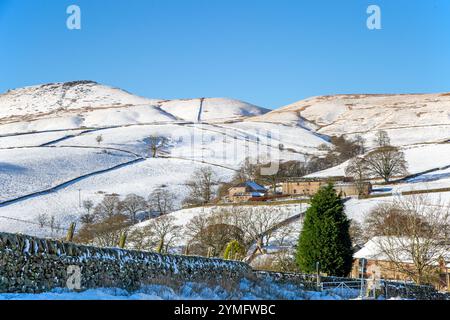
column 357, row 209
column 408, row 118
column 246, row 290
column 219, row 133
column 140, row 178
column 420, row 158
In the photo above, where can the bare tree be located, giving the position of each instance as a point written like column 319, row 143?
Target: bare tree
column 105, row 232
column 201, row 186
column 140, row 239
column 132, row 205
column 43, row 220
column 259, row 224
column 358, row 170
column 210, row 234
column 161, row 201
column 88, row 205
column 99, row 139
column 382, row 139
column 247, row 172
column 357, row 233
column 413, row 235
column 360, row 142
column 108, row 207
column 87, row 218
column 386, row 162
column 161, row 233
column 157, row 143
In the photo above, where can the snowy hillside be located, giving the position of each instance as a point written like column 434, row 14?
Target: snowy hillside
column 420, row 158
column 209, row 109
column 51, row 158
column 88, row 104
column 408, row 118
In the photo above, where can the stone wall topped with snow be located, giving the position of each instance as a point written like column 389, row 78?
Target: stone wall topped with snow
column 31, row 265
column 34, row 265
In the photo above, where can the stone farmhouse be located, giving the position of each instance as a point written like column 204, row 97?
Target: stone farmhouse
column 246, row 191
column 309, row 186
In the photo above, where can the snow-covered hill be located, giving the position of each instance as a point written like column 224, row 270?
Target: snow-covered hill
column 50, row 157
column 81, row 104
column 408, row 118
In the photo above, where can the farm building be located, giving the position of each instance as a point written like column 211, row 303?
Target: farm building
column 309, row 186
column 377, row 263
column 245, row 191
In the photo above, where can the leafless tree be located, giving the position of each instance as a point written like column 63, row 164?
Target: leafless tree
column 43, row 220
column 359, row 237
column 88, row 205
column 414, row 235
column 259, row 224
column 201, row 186
column 140, row 239
column 361, row 144
column 213, row 231
column 99, row 139
column 55, row 225
column 247, row 172
column 161, row 201
column 161, row 233
column 157, row 143
column 358, row 170
column 108, row 207
column 132, row 205
column 105, row 232
column 87, row 218
column 386, row 162
column 382, row 139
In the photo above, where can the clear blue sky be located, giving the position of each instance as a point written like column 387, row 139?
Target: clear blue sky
column 269, row 53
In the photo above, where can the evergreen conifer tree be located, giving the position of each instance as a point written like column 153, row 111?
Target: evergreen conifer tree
column 325, row 237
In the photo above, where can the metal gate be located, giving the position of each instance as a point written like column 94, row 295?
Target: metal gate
column 345, row 289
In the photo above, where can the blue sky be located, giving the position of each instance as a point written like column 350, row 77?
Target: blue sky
column 267, row 52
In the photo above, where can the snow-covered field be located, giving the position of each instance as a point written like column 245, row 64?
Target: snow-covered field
column 48, row 137
column 247, row 290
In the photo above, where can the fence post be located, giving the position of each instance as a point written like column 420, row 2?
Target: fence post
column 122, row 240
column 186, row 250
column 361, row 265
column 386, row 293
column 70, row 232
column 317, row 276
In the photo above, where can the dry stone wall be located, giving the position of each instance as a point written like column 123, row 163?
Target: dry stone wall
column 32, row 265
column 29, row 264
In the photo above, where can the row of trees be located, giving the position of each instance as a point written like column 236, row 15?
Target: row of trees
column 226, row 232
column 161, row 201
column 104, row 223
